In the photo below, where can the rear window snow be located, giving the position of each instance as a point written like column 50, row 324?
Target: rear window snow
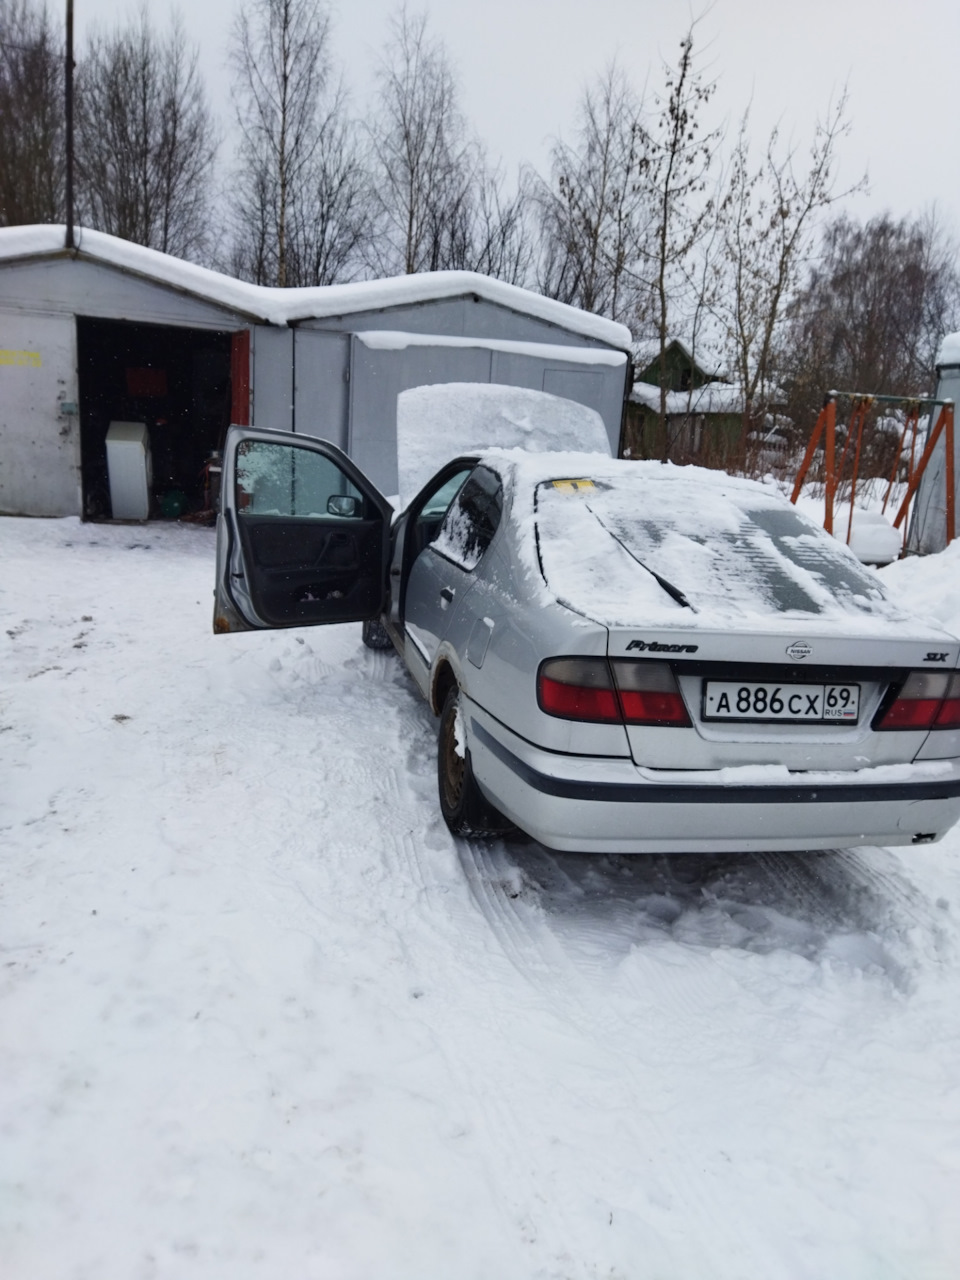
column 660, row 545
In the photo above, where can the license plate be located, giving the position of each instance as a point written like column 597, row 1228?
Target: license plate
column 800, row 703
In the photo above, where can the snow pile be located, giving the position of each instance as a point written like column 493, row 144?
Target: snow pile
column 873, row 539
column 931, row 584
column 437, row 423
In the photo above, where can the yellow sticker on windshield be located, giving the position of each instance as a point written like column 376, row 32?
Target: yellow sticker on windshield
column 572, row 486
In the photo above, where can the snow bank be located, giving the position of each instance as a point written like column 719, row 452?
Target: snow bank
column 930, row 585
column 436, row 423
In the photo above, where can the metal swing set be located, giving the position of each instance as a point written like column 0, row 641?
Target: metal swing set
column 861, row 404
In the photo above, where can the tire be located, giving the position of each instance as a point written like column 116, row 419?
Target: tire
column 375, row 635
column 465, row 809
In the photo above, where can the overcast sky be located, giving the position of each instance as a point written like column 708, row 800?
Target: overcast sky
column 523, row 63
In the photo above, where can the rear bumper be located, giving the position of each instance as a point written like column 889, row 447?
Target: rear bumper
column 610, row 806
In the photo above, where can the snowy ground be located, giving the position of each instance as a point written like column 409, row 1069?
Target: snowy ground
column 261, row 1016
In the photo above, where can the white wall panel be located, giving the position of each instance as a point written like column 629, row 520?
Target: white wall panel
column 273, row 378
column 39, row 434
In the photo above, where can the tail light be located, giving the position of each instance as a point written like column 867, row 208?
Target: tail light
column 948, row 717
column 928, row 700
column 618, row 692
column 578, row 689
column 649, row 693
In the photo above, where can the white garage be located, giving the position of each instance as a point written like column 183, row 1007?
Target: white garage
column 113, row 332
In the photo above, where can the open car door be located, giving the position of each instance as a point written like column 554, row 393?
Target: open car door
column 302, row 536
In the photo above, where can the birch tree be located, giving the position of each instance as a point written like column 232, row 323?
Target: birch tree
column 877, row 298
column 424, row 163
column 770, row 221
column 300, row 202
column 676, row 173
column 439, row 205
column 595, row 212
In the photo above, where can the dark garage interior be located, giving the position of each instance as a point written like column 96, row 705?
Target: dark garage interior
column 176, row 381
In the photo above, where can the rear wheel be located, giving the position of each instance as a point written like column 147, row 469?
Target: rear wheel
column 465, row 809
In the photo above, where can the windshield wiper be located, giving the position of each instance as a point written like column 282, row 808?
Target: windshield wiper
column 674, row 592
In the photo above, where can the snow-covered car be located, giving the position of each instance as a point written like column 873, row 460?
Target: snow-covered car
column 624, row 656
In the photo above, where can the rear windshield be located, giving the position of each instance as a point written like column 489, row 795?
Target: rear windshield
column 717, row 547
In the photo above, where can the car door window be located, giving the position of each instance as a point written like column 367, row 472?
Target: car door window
column 281, row 480
column 434, row 508
column 438, row 503
column 472, row 520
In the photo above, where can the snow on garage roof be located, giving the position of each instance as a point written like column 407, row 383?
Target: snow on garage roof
column 285, row 306
column 395, row 340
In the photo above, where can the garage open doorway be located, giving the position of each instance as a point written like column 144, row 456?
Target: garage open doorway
column 177, row 382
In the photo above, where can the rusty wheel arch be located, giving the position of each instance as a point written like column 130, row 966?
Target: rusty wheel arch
column 444, row 679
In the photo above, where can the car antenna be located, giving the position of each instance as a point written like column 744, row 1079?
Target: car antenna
column 672, row 591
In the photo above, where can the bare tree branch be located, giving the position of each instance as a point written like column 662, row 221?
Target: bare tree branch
column 145, row 139
column 31, row 116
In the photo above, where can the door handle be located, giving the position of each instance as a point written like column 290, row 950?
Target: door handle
column 446, row 595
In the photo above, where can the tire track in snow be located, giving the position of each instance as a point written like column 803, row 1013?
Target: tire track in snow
column 503, row 897
column 855, row 906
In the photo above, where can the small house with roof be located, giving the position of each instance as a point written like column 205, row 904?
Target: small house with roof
column 704, row 410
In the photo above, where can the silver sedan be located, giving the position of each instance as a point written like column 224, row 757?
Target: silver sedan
column 624, row 657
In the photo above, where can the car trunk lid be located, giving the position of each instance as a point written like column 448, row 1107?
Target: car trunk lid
column 807, row 700
column 746, row 600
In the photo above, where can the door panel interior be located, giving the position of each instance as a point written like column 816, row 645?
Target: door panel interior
column 304, row 571
column 310, row 530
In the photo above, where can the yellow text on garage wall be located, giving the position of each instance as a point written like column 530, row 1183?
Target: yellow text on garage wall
column 29, row 358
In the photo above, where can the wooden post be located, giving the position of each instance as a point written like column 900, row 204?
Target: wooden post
column 917, row 476
column 950, row 480
column 830, row 446
column 864, row 408
column 911, row 421
column 808, row 456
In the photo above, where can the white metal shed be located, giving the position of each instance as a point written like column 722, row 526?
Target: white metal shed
column 112, row 331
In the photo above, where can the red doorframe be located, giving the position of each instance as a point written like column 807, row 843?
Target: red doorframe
column 240, row 377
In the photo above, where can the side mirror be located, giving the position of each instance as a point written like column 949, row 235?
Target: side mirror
column 342, row 504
